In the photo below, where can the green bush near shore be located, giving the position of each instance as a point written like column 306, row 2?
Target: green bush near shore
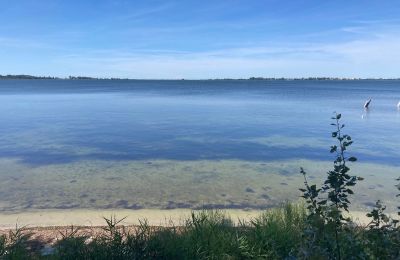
column 317, row 229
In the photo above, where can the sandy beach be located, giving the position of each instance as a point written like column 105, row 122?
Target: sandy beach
column 83, row 217
column 94, row 218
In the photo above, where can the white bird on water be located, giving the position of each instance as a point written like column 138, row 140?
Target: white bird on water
column 398, row 105
column 366, row 105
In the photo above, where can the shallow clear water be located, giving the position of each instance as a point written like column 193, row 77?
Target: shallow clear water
column 54, row 133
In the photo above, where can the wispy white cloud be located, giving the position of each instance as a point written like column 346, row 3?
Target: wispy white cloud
column 370, row 50
column 375, row 56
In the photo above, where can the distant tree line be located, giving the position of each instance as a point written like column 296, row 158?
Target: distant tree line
column 321, row 78
column 80, row 77
column 23, row 76
column 26, row 77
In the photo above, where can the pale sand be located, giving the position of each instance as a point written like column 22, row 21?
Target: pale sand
column 154, row 217
column 83, row 217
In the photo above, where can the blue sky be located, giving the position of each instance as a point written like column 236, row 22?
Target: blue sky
column 200, row 39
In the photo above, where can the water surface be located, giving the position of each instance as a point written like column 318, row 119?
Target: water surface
column 168, row 144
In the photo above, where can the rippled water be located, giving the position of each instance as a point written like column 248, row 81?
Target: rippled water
column 165, row 144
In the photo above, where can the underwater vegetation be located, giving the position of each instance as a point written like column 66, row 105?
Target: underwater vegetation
column 318, row 228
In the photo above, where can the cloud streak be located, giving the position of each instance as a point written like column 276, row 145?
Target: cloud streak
column 373, row 57
column 367, row 49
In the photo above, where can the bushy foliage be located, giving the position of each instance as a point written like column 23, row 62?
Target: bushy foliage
column 326, row 204
column 329, row 234
column 15, row 245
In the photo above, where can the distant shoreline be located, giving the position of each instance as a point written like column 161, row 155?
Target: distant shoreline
column 31, row 77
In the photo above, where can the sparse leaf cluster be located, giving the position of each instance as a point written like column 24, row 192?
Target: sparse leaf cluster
column 329, row 231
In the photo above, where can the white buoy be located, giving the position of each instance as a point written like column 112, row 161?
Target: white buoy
column 366, row 105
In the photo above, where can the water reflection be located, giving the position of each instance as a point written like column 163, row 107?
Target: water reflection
column 366, row 113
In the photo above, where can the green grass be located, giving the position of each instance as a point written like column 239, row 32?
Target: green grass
column 275, row 234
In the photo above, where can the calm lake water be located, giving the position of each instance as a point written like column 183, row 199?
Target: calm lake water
column 169, row 144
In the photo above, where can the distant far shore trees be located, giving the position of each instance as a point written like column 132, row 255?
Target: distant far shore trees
column 24, row 76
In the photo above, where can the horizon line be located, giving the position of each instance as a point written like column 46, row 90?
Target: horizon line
column 35, row 77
